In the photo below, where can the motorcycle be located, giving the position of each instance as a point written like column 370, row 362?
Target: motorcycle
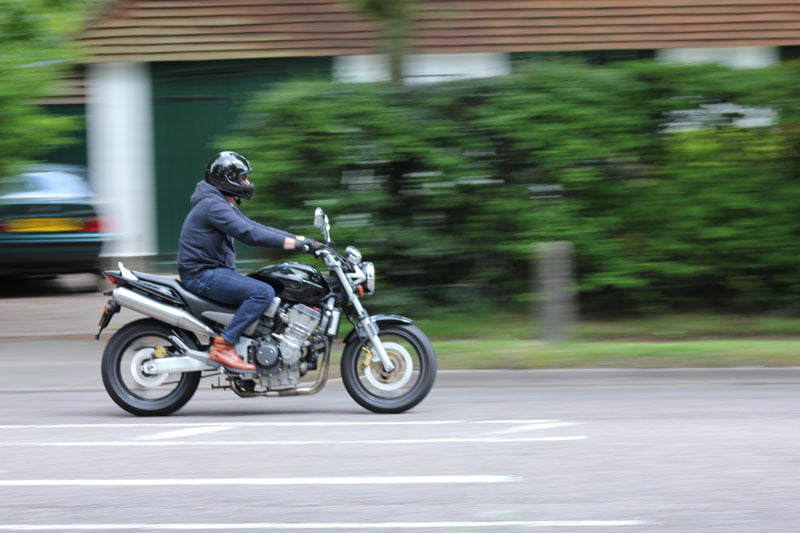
column 153, row 366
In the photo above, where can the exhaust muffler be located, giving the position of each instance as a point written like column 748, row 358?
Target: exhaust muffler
column 168, row 314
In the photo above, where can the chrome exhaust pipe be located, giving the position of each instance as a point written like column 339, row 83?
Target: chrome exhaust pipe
column 313, row 388
column 173, row 316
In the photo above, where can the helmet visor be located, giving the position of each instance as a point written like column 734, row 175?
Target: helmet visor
column 246, row 187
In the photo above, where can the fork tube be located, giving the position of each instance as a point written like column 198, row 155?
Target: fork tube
column 363, row 317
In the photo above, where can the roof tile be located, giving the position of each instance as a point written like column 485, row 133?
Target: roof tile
column 175, row 30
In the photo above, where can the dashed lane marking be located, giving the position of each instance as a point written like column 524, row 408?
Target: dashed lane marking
column 187, row 432
column 533, row 427
column 141, row 443
column 321, row 423
column 180, row 433
column 349, row 526
column 261, row 481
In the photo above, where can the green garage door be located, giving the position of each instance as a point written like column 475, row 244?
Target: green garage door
column 194, row 104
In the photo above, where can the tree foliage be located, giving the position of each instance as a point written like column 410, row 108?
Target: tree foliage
column 668, row 198
column 35, row 39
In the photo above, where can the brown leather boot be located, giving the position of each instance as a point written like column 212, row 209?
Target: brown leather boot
column 222, row 352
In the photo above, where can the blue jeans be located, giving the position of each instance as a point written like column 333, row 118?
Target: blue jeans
column 226, row 286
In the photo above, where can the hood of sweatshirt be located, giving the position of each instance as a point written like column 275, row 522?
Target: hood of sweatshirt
column 204, row 190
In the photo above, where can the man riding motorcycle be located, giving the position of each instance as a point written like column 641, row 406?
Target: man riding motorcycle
column 207, row 257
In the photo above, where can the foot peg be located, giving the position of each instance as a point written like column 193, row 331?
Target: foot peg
column 233, row 372
column 223, row 352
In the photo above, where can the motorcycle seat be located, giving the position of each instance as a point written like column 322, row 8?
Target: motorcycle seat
column 196, row 303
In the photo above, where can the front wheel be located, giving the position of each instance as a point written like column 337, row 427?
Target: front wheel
column 130, row 386
column 397, row 391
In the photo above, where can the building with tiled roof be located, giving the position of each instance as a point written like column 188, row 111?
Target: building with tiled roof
column 201, row 30
column 166, row 77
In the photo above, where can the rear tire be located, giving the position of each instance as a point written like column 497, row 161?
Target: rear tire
column 133, row 389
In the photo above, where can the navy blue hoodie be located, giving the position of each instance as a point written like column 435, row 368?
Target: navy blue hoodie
column 209, row 231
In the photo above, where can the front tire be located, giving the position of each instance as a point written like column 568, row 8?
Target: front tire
column 130, row 386
column 395, row 392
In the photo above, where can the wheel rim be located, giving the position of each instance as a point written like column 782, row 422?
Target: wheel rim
column 138, row 373
column 391, row 381
column 133, row 376
column 388, row 385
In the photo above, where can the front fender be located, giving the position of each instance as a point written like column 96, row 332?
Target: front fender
column 380, row 321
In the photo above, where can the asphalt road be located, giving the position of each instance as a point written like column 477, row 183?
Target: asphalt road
column 582, row 450
column 615, row 451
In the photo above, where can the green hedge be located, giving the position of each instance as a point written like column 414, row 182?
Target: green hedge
column 448, row 186
column 34, row 37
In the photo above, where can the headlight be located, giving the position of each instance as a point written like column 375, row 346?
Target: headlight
column 352, row 254
column 369, row 271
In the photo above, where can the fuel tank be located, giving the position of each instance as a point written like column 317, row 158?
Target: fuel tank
column 295, row 282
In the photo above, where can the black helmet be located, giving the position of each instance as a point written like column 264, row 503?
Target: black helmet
column 226, row 172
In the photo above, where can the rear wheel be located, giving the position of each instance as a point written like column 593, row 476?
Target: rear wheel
column 390, row 392
column 125, row 378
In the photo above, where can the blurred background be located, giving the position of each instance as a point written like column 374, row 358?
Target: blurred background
column 446, row 139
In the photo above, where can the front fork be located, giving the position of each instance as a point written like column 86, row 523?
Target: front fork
column 371, row 329
column 368, row 327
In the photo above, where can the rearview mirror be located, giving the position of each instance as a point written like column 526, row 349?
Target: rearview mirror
column 321, row 221
column 319, row 217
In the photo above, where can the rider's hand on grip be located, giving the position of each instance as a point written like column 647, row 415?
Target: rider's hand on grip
column 310, row 246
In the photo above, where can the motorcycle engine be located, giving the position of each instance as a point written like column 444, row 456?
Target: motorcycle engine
column 265, row 353
column 282, row 361
column 302, row 320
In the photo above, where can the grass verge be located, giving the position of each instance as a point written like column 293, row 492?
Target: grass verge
column 524, row 354
column 497, row 340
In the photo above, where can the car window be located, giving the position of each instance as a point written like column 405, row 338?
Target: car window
column 51, row 184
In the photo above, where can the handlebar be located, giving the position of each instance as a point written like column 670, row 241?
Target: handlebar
column 327, row 251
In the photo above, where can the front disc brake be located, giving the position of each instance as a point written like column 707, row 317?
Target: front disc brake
column 404, row 368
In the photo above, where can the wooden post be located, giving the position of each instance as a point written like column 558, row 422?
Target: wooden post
column 557, row 300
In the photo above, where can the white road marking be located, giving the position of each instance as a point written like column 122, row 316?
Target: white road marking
column 457, row 525
column 533, row 427
column 511, row 421
column 175, row 433
column 335, row 423
column 288, row 481
column 135, row 443
column 188, row 432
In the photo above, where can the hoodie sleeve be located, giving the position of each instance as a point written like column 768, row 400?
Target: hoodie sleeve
column 229, row 220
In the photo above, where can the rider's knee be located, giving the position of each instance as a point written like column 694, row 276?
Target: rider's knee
column 264, row 294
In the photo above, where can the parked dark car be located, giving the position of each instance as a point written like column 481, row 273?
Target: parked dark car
column 49, row 223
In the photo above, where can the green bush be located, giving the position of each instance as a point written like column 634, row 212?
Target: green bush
column 34, row 36
column 447, row 187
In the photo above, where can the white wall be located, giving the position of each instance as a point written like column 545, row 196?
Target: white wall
column 736, row 56
column 419, row 69
column 121, row 160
